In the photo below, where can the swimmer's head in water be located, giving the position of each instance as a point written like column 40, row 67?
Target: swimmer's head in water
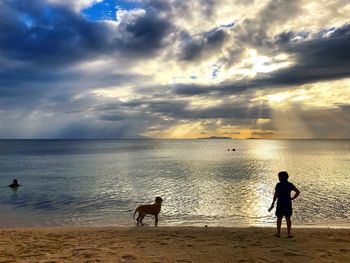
column 14, row 184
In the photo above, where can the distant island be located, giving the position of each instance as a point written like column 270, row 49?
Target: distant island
column 214, row 137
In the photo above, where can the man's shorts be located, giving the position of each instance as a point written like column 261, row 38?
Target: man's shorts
column 286, row 211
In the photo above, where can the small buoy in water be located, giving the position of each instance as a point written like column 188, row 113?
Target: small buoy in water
column 205, row 225
column 228, row 149
column 233, row 149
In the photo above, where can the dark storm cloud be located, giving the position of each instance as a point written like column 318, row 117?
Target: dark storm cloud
column 114, row 117
column 325, row 57
column 29, row 81
column 48, row 35
column 183, row 110
column 192, row 89
column 144, row 36
column 157, row 108
column 319, row 59
column 197, row 46
column 219, row 89
column 12, row 78
column 33, row 31
column 41, row 43
column 121, row 106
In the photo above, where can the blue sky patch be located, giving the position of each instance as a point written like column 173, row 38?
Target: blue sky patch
column 106, row 10
column 101, row 11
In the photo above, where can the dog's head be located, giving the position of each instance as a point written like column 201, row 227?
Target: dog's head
column 158, row 200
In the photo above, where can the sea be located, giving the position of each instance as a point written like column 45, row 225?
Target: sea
column 213, row 182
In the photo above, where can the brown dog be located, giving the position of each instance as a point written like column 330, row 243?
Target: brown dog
column 152, row 209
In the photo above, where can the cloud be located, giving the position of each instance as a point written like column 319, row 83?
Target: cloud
column 42, row 47
column 162, row 64
column 317, row 59
column 75, row 5
column 140, row 33
column 182, row 109
column 54, row 35
column 156, row 5
column 193, row 48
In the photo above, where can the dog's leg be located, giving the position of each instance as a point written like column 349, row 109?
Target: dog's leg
column 142, row 217
column 138, row 219
column 156, row 220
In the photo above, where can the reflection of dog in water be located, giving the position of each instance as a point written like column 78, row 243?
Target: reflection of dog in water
column 152, row 209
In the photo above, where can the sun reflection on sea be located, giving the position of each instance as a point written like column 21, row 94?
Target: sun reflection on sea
column 260, row 190
column 266, row 149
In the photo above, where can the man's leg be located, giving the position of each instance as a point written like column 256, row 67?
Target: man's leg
column 279, row 223
column 289, row 226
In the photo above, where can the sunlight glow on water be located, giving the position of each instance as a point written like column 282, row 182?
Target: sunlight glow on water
column 73, row 182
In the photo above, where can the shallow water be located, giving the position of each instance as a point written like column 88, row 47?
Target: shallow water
column 100, row 182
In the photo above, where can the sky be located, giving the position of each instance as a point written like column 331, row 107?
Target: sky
column 174, row 69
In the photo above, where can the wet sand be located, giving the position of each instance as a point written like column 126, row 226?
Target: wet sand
column 172, row 244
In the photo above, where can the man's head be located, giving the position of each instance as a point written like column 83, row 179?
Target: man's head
column 283, row 176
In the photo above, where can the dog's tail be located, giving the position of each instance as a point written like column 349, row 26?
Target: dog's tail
column 137, row 209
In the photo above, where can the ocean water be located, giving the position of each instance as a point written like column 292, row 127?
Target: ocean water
column 101, row 182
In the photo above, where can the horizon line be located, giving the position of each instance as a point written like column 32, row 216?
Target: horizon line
column 162, row 139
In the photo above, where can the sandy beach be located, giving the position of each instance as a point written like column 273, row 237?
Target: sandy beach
column 172, row 244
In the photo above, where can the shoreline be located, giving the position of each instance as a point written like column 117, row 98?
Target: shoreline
column 150, row 225
column 174, row 228
column 172, row 244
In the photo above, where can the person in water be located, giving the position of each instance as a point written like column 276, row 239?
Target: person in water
column 14, row 184
column 282, row 194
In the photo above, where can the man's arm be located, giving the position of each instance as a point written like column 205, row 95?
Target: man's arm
column 273, row 201
column 297, row 193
